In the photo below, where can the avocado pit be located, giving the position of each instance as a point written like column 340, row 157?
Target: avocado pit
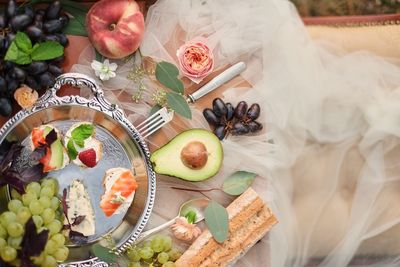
column 194, row 155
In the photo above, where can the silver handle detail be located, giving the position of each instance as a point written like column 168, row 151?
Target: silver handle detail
column 148, row 233
column 216, row 82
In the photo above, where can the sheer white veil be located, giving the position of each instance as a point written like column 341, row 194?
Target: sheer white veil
column 329, row 157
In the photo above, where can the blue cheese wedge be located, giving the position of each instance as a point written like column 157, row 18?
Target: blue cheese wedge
column 79, row 204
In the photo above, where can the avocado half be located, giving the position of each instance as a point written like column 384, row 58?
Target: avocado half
column 168, row 159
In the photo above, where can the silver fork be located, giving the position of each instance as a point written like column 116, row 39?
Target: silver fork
column 155, row 122
column 163, row 116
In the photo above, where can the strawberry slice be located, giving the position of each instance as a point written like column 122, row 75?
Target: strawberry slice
column 88, row 157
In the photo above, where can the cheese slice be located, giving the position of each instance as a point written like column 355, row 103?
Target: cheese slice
column 79, row 204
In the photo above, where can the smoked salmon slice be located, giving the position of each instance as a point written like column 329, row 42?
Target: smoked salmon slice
column 122, row 188
column 38, row 137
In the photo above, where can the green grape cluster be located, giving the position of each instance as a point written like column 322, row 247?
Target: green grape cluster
column 41, row 203
column 157, row 252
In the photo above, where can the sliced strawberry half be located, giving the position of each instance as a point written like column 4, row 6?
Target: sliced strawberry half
column 88, row 157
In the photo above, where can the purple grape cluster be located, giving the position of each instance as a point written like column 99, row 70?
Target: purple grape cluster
column 226, row 119
column 40, row 25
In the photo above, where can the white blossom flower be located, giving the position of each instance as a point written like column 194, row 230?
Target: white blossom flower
column 105, row 70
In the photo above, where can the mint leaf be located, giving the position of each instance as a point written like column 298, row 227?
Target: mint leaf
column 217, row 221
column 16, row 55
column 179, row 105
column 23, row 42
column 72, row 153
column 47, row 50
column 166, row 74
column 82, row 132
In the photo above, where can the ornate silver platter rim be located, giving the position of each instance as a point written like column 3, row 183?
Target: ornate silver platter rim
column 98, row 103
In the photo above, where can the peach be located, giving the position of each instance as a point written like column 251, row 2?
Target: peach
column 115, row 28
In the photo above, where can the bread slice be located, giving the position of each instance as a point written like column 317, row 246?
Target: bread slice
column 249, row 220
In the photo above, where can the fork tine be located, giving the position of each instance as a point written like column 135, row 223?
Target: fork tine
column 155, row 122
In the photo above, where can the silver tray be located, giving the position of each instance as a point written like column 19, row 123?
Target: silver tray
column 123, row 147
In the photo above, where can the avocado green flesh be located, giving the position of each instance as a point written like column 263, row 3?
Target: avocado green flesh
column 47, row 130
column 57, row 154
column 167, row 159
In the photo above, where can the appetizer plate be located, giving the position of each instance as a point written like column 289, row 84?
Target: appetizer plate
column 122, row 147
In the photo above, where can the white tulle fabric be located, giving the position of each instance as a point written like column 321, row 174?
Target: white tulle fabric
column 329, row 158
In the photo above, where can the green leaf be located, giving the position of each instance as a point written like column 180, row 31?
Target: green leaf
column 72, row 152
column 47, row 50
column 238, row 182
column 75, row 26
column 16, row 55
column 217, row 221
column 99, row 57
column 155, row 109
column 166, row 74
column 191, row 216
column 104, row 254
column 23, row 42
column 179, row 105
column 82, row 132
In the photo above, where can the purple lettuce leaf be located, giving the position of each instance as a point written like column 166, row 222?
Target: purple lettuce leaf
column 77, row 237
column 78, row 220
column 33, row 243
column 51, row 137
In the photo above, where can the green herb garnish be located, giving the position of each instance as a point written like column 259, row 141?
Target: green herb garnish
column 22, row 52
column 78, row 137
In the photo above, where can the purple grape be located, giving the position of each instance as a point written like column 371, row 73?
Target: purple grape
column 3, row 85
column 37, row 67
column 32, row 83
column 46, row 80
column 20, row 22
column 11, row 9
column 34, row 33
column 254, row 126
column 62, row 39
column 55, row 70
column 230, row 111
column 253, row 112
column 52, row 26
column 219, row 107
column 19, row 74
column 5, row 107
column 240, row 110
column 64, row 19
column 210, row 116
column 53, row 10
column 220, row 132
column 240, row 129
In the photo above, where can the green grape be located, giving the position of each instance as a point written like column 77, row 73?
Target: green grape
column 61, row 254
column 146, row 253
column 59, row 239
column 33, row 187
column 174, row 254
column 168, row 264
column 49, row 261
column 28, row 197
column 14, row 205
column 41, row 229
column 45, row 201
column 14, row 242
column 52, row 183
column 157, row 244
column 3, row 243
column 55, row 203
column 135, row 264
column 147, row 243
column 7, row 217
column 15, row 229
column 23, row 215
column 3, row 232
column 37, row 219
column 38, row 259
column 48, row 215
column 47, row 191
column 35, row 207
column 167, row 242
column 54, row 227
column 8, row 253
column 133, row 254
column 51, row 247
column 15, row 194
column 163, row 257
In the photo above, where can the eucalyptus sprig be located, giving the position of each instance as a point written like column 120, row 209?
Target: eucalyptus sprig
column 215, row 215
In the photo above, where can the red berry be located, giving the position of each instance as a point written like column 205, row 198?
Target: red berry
column 88, row 157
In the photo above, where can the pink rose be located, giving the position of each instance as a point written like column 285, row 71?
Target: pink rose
column 195, row 59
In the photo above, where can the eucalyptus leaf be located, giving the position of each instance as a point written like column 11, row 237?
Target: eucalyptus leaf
column 99, row 57
column 238, row 182
column 167, row 74
column 155, row 109
column 217, row 221
column 178, row 103
column 75, row 27
column 104, row 254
